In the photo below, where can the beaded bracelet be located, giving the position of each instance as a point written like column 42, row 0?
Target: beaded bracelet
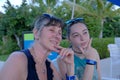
column 91, row 62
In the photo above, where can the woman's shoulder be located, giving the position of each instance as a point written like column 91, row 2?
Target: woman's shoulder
column 96, row 55
column 17, row 56
column 15, row 66
column 16, row 59
column 95, row 52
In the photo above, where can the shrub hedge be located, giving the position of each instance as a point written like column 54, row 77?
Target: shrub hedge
column 8, row 47
column 99, row 44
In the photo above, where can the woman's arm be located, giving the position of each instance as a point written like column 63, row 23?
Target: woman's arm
column 90, row 53
column 66, row 62
column 65, row 69
column 15, row 68
column 89, row 69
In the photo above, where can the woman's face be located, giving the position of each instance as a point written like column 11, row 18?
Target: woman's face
column 79, row 35
column 50, row 37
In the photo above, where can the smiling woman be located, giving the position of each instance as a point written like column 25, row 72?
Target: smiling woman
column 32, row 63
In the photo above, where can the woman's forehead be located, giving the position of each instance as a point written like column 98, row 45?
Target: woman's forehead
column 78, row 26
column 53, row 27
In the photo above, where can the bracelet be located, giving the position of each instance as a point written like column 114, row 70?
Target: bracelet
column 91, row 62
column 70, row 77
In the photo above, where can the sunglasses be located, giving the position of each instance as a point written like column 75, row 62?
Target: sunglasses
column 72, row 21
column 47, row 15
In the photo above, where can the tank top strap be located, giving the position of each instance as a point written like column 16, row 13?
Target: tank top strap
column 49, row 71
column 32, row 75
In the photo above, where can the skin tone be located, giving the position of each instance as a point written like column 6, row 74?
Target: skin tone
column 46, row 40
column 81, row 42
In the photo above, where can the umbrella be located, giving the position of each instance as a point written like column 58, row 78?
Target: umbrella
column 116, row 2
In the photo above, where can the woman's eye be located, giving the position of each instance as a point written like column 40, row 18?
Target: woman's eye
column 60, row 33
column 85, row 32
column 75, row 36
column 52, row 30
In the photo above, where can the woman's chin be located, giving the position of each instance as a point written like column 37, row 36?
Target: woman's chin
column 84, row 47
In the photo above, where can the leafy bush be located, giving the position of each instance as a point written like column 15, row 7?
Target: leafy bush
column 8, row 47
column 65, row 43
column 4, row 57
column 99, row 44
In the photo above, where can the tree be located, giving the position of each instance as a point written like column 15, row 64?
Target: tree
column 47, row 6
column 96, row 8
column 16, row 20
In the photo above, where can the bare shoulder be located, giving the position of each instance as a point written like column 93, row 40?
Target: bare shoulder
column 14, row 67
column 95, row 52
column 16, row 58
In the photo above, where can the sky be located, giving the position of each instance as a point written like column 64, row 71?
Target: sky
column 14, row 2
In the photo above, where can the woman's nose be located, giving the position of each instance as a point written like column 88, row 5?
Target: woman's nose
column 58, row 36
column 81, row 37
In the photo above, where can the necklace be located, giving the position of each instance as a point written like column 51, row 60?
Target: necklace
column 77, row 52
column 40, row 65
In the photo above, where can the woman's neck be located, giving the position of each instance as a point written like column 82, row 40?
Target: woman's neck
column 39, row 53
column 78, row 52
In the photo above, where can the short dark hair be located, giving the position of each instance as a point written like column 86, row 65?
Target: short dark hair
column 47, row 20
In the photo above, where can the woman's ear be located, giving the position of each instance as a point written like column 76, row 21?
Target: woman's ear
column 36, row 35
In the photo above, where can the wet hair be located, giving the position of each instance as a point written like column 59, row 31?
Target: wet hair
column 70, row 23
column 46, row 20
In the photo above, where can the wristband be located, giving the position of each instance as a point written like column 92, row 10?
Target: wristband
column 70, row 77
column 91, row 62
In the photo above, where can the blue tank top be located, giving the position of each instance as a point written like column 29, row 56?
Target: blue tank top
column 32, row 74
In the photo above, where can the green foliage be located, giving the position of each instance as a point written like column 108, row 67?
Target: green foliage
column 95, row 9
column 4, row 57
column 17, row 19
column 99, row 44
column 8, row 47
column 112, row 27
column 92, row 25
column 65, row 43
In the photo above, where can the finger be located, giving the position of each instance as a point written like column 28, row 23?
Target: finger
column 62, row 52
column 69, row 52
column 66, row 52
column 89, row 43
column 81, row 49
column 57, row 49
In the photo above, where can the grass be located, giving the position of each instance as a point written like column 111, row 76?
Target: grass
column 4, row 57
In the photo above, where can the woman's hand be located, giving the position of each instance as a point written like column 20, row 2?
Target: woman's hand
column 67, row 56
column 92, row 54
column 89, row 51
